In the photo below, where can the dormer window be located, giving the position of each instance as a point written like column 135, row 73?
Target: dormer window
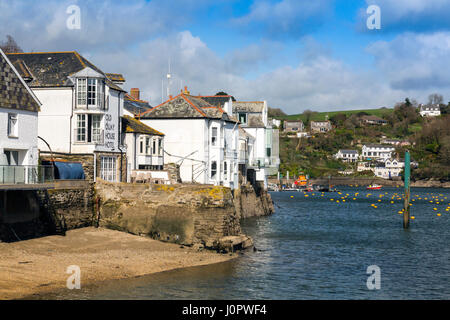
column 242, row 118
column 90, row 93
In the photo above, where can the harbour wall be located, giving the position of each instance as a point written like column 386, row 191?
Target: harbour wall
column 201, row 215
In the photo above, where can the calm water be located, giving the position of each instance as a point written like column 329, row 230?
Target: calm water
column 315, row 248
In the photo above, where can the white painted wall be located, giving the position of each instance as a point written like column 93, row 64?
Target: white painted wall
column 26, row 141
column 54, row 118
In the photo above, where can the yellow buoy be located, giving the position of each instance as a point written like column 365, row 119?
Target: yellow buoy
column 438, row 214
column 412, row 217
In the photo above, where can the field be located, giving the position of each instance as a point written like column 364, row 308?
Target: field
column 321, row 116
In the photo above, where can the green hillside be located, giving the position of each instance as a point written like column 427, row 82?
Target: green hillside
column 321, row 116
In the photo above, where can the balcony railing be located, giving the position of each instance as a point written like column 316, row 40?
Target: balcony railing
column 265, row 162
column 96, row 138
column 26, row 174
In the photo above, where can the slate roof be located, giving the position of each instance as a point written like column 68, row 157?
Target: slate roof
column 115, row 77
column 134, row 106
column 217, row 101
column 379, row 146
column 131, row 125
column 248, row 106
column 14, row 93
column 184, row 106
column 348, row 151
column 52, row 69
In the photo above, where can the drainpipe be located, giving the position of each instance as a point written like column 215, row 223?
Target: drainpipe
column 71, row 116
column 119, row 135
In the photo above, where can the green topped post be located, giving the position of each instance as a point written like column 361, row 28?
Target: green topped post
column 406, row 215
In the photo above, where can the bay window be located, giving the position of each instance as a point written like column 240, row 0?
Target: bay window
column 90, row 93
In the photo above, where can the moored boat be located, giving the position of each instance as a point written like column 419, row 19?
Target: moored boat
column 374, row 187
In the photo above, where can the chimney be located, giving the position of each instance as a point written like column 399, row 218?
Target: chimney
column 135, row 93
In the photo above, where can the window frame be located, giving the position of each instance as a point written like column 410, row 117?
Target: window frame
column 13, row 125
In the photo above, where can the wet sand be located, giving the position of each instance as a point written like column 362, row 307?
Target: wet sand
column 39, row 265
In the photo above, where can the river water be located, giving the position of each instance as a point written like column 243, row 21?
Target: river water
column 317, row 248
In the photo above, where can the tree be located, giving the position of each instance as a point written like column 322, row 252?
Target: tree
column 221, row 93
column 10, row 45
column 308, row 115
column 435, row 98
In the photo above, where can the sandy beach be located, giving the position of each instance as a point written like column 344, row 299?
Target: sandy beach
column 40, row 265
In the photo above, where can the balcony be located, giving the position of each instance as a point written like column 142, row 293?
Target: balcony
column 97, row 139
column 26, row 175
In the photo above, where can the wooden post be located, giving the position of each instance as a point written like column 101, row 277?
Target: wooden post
column 406, row 207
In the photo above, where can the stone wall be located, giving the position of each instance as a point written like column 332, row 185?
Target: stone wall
column 181, row 213
column 249, row 204
column 87, row 161
column 72, row 207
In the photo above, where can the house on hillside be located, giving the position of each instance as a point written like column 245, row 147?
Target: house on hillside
column 201, row 138
column 377, row 152
column 293, row 126
column 389, row 168
column 19, row 108
column 347, row 155
column 373, row 120
column 80, row 117
column 430, row 110
column 265, row 161
column 395, row 142
column 320, row 126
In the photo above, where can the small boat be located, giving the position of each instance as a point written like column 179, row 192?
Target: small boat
column 374, row 187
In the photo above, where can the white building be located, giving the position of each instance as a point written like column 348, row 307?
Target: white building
column 18, row 127
column 377, row 152
column 390, row 168
column 347, row 155
column 429, row 110
column 200, row 137
column 320, row 126
column 145, row 149
column 81, row 109
column 264, row 160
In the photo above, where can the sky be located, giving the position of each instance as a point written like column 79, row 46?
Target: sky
column 297, row 55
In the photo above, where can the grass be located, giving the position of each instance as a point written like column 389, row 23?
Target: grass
column 321, row 116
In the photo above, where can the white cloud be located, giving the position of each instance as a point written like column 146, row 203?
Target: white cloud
column 415, row 62
column 284, row 18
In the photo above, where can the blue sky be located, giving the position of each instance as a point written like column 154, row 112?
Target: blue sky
column 295, row 54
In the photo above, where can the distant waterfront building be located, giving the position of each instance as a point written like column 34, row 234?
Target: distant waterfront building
column 320, row 126
column 377, row 152
column 389, row 169
column 293, row 126
column 429, row 110
column 81, row 111
column 347, row 155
